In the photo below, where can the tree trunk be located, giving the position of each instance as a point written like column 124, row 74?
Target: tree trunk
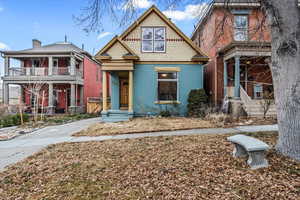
column 284, row 19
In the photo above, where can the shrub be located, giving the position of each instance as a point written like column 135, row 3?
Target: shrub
column 13, row 120
column 165, row 113
column 197, row 103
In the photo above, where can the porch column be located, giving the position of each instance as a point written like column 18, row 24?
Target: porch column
column 21, row 95
column 6, row 66
column 237, row 77
column 104, row 91
column 50, row 99
column 50, row 65
column 5, row 93
column 130, row 92
column 81, row 96
column 73, row 65
column 73, row 99
column 225, row 78
column 115, row 91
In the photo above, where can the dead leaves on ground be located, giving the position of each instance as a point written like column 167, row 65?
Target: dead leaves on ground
column 186, row 167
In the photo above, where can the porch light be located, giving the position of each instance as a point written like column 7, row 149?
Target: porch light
column 248, row 62
column 164, row 75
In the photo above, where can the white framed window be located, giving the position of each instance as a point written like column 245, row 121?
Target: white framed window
column 241, row 27
column 153, row 39
column 167, row 86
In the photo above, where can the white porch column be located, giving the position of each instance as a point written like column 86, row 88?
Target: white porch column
column 50, row 65
column 130, row 92
column 73, row 65
column 21, row 94
column 5, row 95
column 50, row 99
column 6, row 65
column 104, row 91
column 237, row 77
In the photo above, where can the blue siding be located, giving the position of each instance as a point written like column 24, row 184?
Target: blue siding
column 145, row 87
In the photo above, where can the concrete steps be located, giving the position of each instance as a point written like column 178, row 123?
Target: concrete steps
column 116, row 116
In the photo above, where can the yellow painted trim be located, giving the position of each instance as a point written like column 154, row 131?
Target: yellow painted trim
column 130, row 57
column 130, row 92
column 167, row 69
column 167, row 102
column 103, row 57
column 111, row 43
column 117, row 68
column 104, row 92
column 167, row 21
column 166, row 62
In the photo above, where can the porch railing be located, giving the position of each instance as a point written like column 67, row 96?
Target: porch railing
column 42, row 71
column 28, row 71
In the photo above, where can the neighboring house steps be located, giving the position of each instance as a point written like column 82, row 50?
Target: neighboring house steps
column 116, row 116
column 254, row 108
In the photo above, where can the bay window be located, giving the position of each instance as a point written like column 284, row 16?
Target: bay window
column 167, row 86
column 153, row 39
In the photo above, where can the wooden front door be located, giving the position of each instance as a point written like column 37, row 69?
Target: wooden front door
column 123, row 93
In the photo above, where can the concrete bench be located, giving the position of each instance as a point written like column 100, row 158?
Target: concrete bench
column 252, row 147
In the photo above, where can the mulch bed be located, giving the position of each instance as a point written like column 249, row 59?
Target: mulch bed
column 186, row 167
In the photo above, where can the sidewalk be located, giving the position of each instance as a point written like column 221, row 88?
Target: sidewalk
column 18, row 149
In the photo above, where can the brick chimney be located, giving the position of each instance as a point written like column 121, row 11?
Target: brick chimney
column 36, row 43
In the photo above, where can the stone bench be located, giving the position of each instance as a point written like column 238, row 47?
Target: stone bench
column 252, row 147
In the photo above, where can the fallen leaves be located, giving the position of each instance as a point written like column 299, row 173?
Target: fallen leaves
column 185, row 167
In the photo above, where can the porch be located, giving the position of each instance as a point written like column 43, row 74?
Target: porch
column 121, row 91
column 50, row 98
column 247, row 76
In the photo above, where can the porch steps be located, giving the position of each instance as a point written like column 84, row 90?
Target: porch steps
column 254, row 108
column 115, row 116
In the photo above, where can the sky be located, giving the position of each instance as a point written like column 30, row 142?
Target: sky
column 50, row 20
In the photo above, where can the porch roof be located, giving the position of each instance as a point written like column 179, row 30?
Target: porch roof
column 245, row 48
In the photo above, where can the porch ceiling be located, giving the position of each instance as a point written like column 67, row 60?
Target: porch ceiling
column 246, row 49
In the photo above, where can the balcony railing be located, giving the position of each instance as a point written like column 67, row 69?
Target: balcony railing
column 42, row 71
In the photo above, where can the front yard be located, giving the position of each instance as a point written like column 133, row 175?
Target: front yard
column 142, row 124
column 187, row 167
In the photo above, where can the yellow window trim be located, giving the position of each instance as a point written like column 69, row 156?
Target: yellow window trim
column 167, row 69
column 167, row 102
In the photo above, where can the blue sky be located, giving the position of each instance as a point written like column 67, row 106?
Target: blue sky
column 50, row 20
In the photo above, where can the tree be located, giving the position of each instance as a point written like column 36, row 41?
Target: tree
column 283, row 16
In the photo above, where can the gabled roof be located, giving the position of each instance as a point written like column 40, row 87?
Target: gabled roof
column 116, row 39
column 59, row 47
column 154, row 9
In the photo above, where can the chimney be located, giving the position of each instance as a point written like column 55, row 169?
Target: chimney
column 36, row 43
column 66, row 39
column 82, row 47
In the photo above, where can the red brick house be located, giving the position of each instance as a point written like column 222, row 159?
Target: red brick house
column 62, row 74
column 238, row 44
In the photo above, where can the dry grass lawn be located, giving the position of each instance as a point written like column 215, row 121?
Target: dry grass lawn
column 187, row 167
column 140, row 125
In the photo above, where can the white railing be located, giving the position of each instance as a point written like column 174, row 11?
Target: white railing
column 42, row 71
column 244, row 96
column 61, row 71
column 28, row 71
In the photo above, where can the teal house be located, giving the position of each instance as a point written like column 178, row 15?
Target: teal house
column 150, row 68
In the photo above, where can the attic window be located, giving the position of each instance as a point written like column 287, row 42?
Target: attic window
column 153, row 39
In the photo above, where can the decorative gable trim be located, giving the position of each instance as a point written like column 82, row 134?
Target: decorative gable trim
column 168, row 22
column 103, row 55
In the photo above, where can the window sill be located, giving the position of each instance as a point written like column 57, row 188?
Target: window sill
column 167, row 102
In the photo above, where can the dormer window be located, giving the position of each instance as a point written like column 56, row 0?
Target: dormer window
column 153, row 39
column 241, row 27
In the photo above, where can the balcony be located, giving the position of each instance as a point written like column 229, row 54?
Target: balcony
column 43, row 71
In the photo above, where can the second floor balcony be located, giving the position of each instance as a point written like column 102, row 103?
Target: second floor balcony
column 43, row 71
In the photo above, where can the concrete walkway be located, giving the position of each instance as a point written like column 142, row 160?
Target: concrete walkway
column 20, row 148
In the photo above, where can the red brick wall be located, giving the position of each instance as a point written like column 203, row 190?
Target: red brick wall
column 92, row 79
column 210, row 38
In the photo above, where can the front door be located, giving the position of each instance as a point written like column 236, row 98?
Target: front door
column 123, row 94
